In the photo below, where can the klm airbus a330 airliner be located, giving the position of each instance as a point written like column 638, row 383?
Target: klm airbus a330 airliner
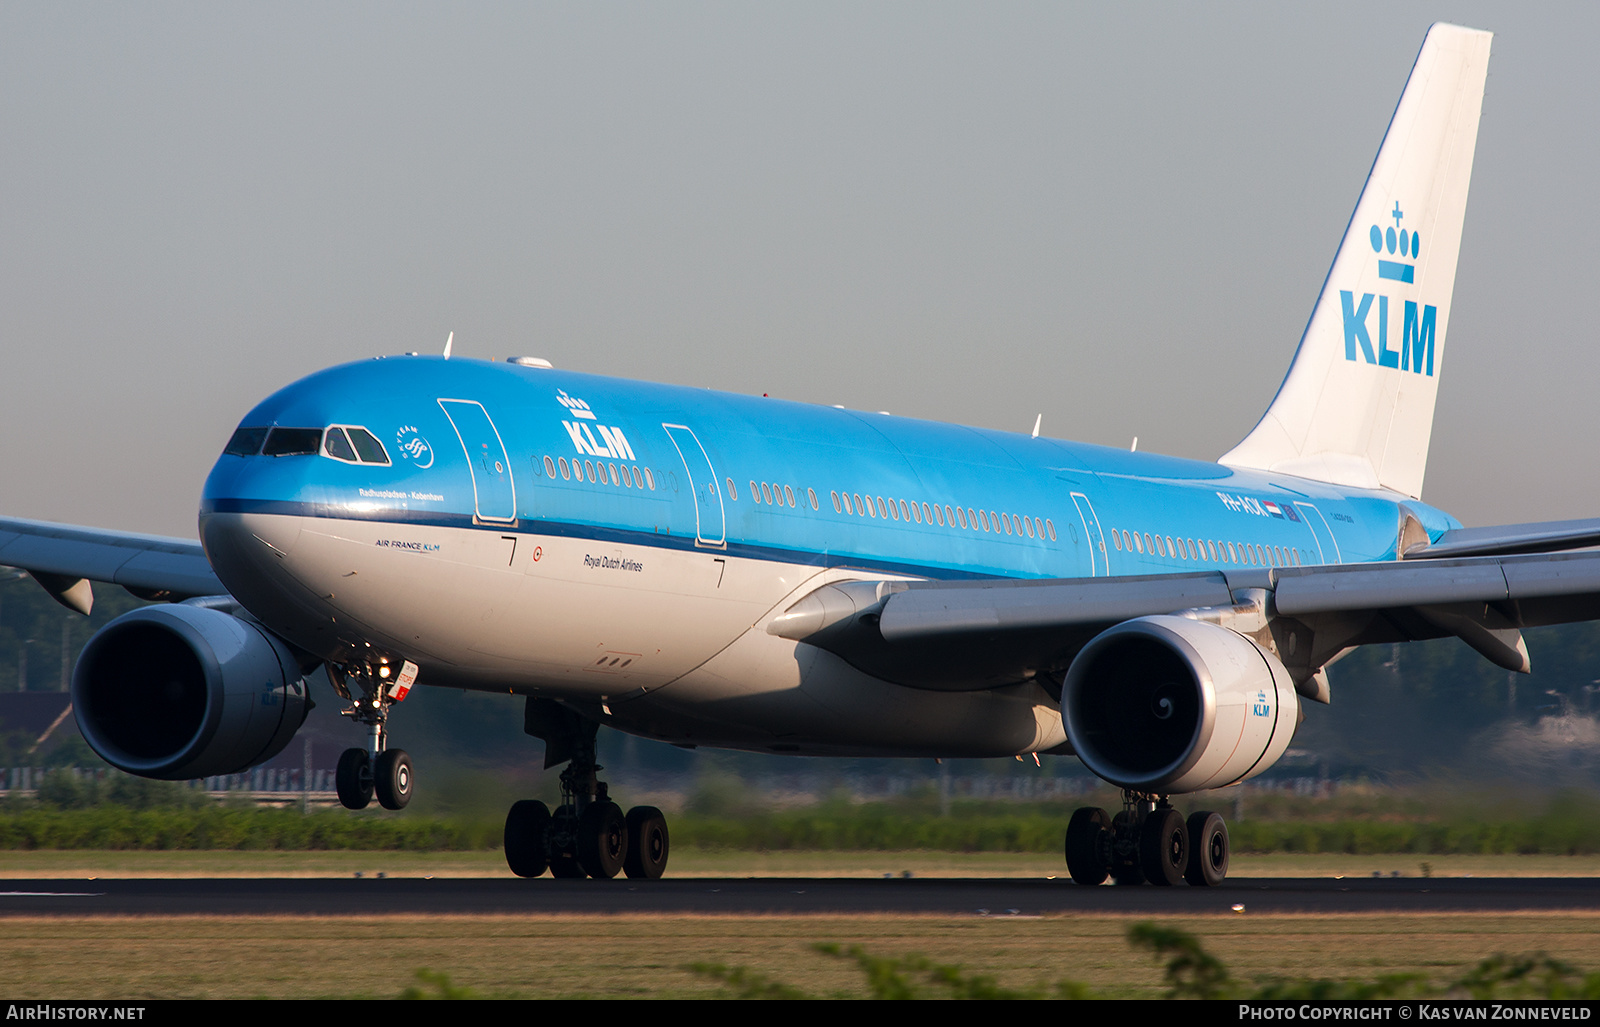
column 712, row 569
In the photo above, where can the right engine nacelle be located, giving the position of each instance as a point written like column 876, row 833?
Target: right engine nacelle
column 179, row 692
column 1167, row 704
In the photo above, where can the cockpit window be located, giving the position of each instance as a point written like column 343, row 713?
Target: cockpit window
column 370, row 449
column 337, row 446
column 346, row 443
column 246, row 442
column 352, row 444
column 293, row 442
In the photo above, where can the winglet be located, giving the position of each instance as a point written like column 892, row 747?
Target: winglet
column 1357, row 405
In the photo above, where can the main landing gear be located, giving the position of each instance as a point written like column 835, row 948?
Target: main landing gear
column 1148, row 841
column 587, row 835
column 377, row 769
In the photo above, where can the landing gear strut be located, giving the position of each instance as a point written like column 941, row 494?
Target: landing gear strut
column 376, row 769
column 1148, row 841
column 587, row 835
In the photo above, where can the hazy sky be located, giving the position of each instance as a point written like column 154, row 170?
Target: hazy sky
column 1116, row 215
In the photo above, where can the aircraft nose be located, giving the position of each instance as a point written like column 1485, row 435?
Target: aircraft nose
column 245, row 548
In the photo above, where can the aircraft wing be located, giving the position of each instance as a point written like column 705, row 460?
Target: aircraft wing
column 988, row 633
column 64, row 559
column 1506, row 539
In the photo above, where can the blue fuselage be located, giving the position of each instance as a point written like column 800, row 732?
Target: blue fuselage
column 680, row 468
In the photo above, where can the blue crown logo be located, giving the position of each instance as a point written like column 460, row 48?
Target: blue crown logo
column 1396, row 239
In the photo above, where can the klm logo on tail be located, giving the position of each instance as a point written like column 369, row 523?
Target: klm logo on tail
column 1416, row 327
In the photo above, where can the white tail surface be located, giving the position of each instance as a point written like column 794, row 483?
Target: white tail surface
column 1357, row 405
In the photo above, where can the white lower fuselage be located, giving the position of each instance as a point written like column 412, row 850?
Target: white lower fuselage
column 664, row 643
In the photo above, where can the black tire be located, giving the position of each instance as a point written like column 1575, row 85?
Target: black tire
column 392, row 778
column 1086, row 845
column 1163, row 847
column 1208, row 849
column 602, row 840
column 563, row 853
column 353, row 779
column 1125, row 849
column 647, row 844
column 526, row 825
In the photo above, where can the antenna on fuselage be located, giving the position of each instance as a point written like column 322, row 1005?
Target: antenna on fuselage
column 448, row 342
column 1037, row 421
column 1135, row 447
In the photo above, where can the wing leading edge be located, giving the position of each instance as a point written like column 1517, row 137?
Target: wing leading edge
column 64, row 559
column 984, row 634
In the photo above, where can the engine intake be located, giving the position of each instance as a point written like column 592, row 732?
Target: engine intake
column 179, row 692
column 1167, row 704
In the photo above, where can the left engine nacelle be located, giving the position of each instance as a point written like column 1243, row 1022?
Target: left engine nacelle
column 179, row 692
column 1167, row 704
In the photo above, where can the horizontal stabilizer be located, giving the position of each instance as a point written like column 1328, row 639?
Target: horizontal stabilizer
column 1508, row 539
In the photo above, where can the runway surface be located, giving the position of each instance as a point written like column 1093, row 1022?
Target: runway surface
column 784, row 896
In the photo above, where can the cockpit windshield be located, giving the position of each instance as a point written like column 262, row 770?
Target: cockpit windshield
column 346, row 443
column 292, row 441
column 246, row 442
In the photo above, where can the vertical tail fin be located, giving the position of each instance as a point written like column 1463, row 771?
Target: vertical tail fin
column 1357, row 405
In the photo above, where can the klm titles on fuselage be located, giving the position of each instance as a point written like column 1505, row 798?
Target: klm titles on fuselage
column 611, row 442
column 1416, row 325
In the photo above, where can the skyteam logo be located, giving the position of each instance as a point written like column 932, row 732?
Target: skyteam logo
column 610, row 443
column 1416, row 328
column 414, row 447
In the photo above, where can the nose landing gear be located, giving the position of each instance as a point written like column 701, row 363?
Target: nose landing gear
column 1148, row 841
column 376, row 769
